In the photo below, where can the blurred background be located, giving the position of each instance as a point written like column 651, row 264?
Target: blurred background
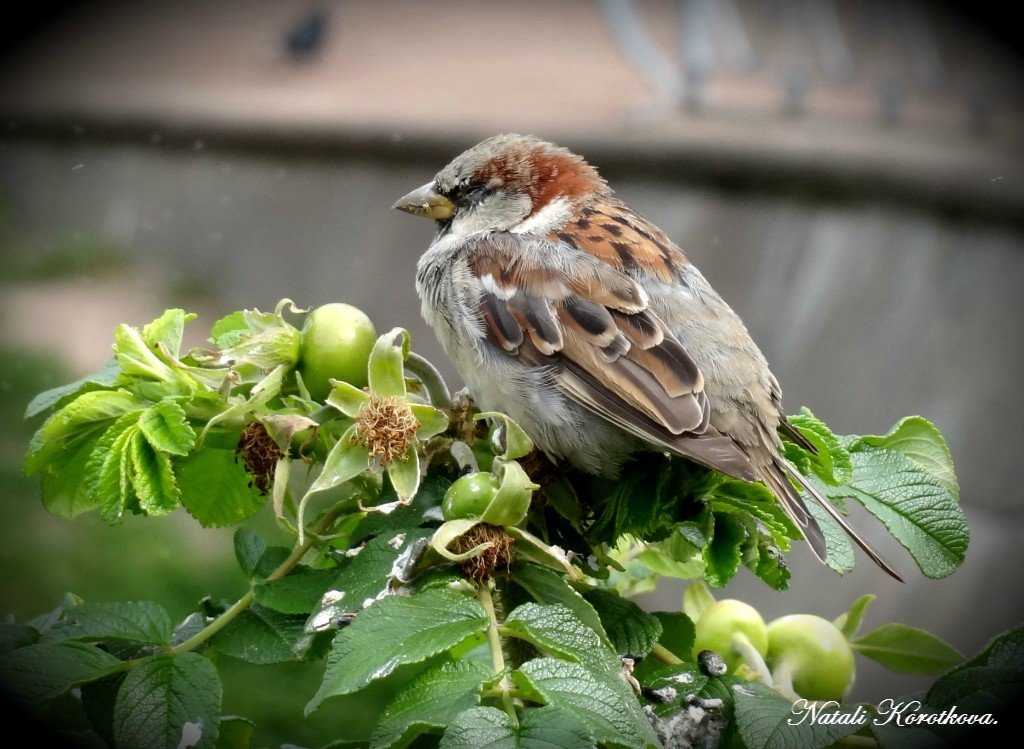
column 847, row 174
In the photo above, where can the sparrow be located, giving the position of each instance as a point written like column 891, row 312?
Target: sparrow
column 565, row 309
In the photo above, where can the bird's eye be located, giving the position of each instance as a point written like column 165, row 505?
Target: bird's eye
column 470, row 193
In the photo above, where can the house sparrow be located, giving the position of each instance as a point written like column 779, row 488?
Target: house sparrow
column 568, row 311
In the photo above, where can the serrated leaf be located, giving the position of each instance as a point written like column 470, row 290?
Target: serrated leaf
column 601, row 701
column 766, row 720
column 297, row 593
column 152, row 477
column 102, row 379
column 907, row 650
column 14, row 636
column 166, row 427
column 215, row 489
column 65, row 481
column 249, row 549
column 85, row 413
column 397, row 630
column 141, row 621
column 632, row 630
column 136, row 358
column 724, row 554
column 167, row 330
column 364, row 578
column 547, row 586
column 229, row 330
column 430, row 702
column 541, row 728
column 832, row 463
column 555, row 629
column 674, row 557
column 989, row 682
column 262, row 635
column 677, row 633
column 110, row 470
column 915, row 507
column 920, row 441
column 168, row 702
column 39, row 672
column 98, row 700
column 849, row 621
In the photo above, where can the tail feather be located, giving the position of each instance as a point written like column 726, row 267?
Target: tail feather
column 790, row 501
column 783, row 469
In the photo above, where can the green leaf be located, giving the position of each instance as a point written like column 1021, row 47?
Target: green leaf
column 14, row 636
column 136, row 358
column 103, row 379
column 917, row 439
column 262, row 635
column 364, row 578
column 914, row 506
column 87, row 412
column 907, row 650
column 404, row 473
column 674, row 557
column 428, row 703
column 432, row 420
column 512, row 500
column 387, row 358
column 65, row 480
column 35, row 673
column 556, row 630
column 696, row 600
column 98, row 700
column 167, row 330
column 765, row 720
column 168, row 702
column 632, row 630
column 602, row 702
column 109, row 469
column 397, row 630
column 249, row 549
column 677, row 633
column 849, row 622
column 838, row 547
column 547, row 586
column 990, row 682
column 215, row 489
column 166, row 428
column 542, row 728
column 517, row 443
column 141, row 621
column 297, row 593
column 346, row 460
column 235, row 732
column 229, row 330
column 347, row 398
column 152, row 477
column 722, row 557
column 832, row 463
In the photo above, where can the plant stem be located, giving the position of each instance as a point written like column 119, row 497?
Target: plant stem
column 497, row 657
column 245, row 601
column 664, row 655
column 752, row 657
column 433, row 383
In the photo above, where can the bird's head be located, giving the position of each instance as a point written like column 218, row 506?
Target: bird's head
column 506, row 183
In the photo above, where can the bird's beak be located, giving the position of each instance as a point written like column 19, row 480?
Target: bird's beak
column 426, row 201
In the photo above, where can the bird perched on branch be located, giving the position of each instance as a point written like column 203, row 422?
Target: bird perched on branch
column 565, row 309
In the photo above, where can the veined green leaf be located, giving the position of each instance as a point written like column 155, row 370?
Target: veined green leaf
column 397, row 630
column 541, row 728
column 632, row 630
column 765, row 720
column 141, row 621
column 547, row 586
column 168, row 701
column 832, row 463
column 261, row 635
column 428, row 703
column 602, row 702
column 152, row 477
column 677, row 633
column 35, row 673
column 917, row 439
column 215, row 489
column 555, row 629
column 102, row 379
column 166, row 428
column 65, row 480
column 299, row 592
column 167, row 330
column 722, row 557
column 907, row 650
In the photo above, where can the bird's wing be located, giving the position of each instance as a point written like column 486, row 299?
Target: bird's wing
column 588, row 322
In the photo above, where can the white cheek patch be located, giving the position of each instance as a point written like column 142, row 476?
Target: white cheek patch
column 549, row 218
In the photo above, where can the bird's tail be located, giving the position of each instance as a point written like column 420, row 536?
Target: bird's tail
column 777, row 476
